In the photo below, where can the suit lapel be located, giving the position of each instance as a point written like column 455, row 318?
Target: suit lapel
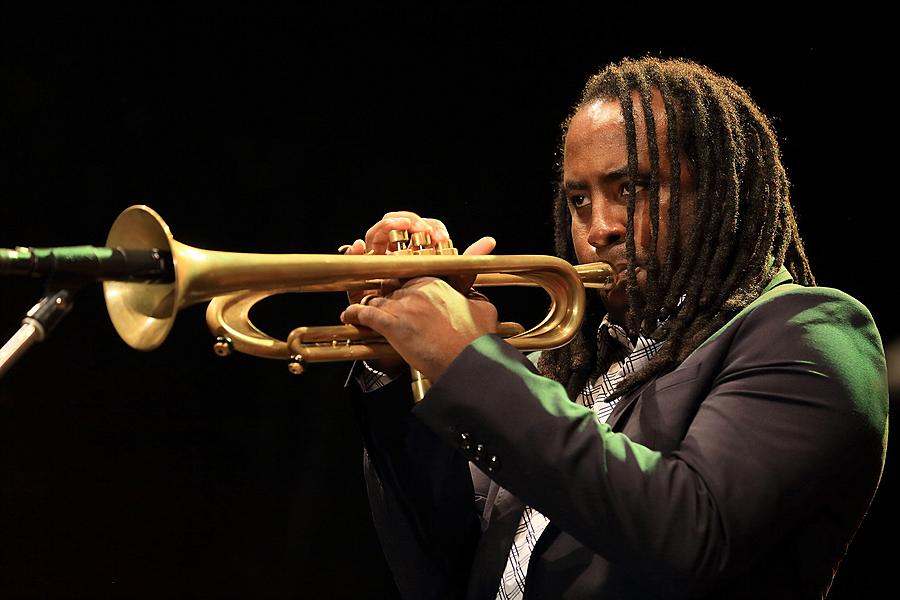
column 623, row 406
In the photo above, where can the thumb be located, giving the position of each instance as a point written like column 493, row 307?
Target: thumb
column 463, row 283
column 485, row 245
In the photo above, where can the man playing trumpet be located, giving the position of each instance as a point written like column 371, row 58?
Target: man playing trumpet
column 717, row 429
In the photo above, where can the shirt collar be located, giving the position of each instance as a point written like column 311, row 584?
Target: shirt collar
column 782, row 276
column 614, row 345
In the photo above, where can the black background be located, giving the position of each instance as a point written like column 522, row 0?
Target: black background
column 176, row 473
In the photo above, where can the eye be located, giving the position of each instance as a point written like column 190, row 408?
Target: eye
column 639, row 187
column 579, row 201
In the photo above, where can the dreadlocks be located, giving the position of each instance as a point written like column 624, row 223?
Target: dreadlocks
column 744, row 225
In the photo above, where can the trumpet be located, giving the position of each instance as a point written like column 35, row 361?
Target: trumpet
column 143, row 313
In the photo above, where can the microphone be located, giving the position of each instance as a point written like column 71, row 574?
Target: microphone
column 89, row 263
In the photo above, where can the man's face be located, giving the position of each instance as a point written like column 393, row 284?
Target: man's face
column 595, row 176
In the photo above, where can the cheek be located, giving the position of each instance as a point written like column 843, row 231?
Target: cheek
column 642, row 229
column 643, row 226
column 583, row 249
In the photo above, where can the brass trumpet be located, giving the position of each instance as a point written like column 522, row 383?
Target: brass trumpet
column 143, row 313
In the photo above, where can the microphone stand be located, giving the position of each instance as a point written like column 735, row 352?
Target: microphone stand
column 38, row 323
column 70, row 269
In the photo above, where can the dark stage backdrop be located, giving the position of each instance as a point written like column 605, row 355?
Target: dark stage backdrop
column 176, row 473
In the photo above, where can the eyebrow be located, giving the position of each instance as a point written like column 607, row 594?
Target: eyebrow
column 620, row 173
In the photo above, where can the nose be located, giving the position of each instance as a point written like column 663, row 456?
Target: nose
column 608, row 223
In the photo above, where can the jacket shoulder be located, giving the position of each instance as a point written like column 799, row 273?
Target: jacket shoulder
column 821, row 331
column 811, row 310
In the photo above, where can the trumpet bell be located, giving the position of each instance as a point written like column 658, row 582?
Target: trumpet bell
column 143, row 314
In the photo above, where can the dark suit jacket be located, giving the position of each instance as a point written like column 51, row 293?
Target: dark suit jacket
column 743, row 473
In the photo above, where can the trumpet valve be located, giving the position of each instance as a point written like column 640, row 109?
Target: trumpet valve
column 421, row 242
column 399, row 241
column 445, row 249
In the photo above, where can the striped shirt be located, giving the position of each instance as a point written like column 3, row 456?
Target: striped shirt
column 615, row 349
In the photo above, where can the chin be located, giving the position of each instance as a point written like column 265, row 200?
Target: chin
column 616, row 307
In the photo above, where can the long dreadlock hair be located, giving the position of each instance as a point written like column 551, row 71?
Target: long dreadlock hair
column 744, row 227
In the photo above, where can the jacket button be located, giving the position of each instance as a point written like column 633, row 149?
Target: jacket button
column 493, row 465
column 479, row 452
column 465, row 443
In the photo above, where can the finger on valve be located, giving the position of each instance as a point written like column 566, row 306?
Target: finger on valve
column 378, row 236
column 385, row 237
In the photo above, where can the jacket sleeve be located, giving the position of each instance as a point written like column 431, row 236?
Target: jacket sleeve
column 420, row 493
column 796, row 411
